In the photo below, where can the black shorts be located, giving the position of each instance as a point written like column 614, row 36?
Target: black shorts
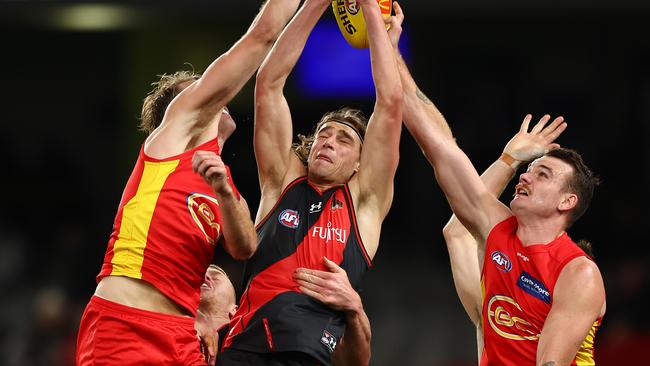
column 233, row 357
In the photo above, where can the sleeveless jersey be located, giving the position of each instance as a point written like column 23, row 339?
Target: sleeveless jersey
column 166, row 226
column 304, row 226
column 517, row 284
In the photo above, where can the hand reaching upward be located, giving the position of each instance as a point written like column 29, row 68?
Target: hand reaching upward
column 526, row 146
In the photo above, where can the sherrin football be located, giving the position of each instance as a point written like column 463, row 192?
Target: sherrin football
column 351, row 23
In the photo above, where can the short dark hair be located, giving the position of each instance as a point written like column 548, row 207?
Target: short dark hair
column 586, row 247
column 582, row 182
column 350, row 116
column 164, row 91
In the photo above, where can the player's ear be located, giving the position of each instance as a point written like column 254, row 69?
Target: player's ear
column 569, row 201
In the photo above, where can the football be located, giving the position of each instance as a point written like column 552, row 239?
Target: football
column 349, row 17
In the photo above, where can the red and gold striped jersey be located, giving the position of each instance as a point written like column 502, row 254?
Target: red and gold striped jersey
column 518, row 284
column 166, row 227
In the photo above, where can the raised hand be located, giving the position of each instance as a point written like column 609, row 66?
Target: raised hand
column 394, row 24
column 210, row 166
column 526, row 146
column 332, row 288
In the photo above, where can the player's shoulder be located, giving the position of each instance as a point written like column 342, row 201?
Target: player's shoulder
column 582, row 272
column 582, row 266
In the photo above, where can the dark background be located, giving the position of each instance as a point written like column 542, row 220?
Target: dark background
column 73, row 85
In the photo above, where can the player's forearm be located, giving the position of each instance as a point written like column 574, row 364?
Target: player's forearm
column 237, row 227
column 357, row 338
column 417, row 105
column 225, row 76
column 272, row 18
column 385, row 73
column 465, row 252
column 454, row 171
column 288, row 48
column 556, row 353
column 496, row 178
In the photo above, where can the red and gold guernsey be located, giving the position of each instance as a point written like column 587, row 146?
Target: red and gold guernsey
column 517, row 284
column 166, row 227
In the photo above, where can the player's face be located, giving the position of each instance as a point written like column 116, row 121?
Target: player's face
column 541, row 187
column 217, row 288
column 334, row 155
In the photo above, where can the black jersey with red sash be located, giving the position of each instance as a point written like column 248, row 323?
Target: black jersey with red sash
column 304, row 226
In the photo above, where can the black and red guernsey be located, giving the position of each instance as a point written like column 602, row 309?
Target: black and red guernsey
column 304, row 226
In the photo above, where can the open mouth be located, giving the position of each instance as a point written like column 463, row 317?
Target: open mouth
column 206, row 285
column 323, row 157
column 521, row 191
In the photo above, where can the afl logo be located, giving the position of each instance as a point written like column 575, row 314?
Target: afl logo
column 289, row 218
column 353, row 6
column 502, row 261
column 202, row 209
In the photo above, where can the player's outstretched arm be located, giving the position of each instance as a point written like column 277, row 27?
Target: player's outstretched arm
column 578, row 301
column 273, row 128
column 333, row 289
column 373, row 186
column 240, row 238
column 468, row 197
column 225, row 76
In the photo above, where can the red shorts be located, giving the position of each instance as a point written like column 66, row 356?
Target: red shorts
column 114, row 334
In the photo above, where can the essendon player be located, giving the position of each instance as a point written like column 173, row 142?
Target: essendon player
column 169, row 218
column 331, row 204
column 542, row 296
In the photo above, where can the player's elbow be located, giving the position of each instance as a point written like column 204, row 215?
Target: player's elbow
column 454, row 230
column 391, row 98
column 242, row 254
column 266, row 83
column 263, row 33
column 244, row 249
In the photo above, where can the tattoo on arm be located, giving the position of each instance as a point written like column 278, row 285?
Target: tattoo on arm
column 422, row 97
column 550, row 363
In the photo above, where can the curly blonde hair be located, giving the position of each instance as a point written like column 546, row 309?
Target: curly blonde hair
column 164, row 91
column 350, row 116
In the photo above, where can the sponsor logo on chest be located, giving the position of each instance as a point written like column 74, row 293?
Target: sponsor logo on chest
column 289, row 218
column 329, row 233
column 501, row 260
column 534, row 287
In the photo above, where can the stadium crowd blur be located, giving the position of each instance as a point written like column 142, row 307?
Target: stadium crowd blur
column 75, row 74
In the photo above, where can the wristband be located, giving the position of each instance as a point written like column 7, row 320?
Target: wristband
column 508, row 159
